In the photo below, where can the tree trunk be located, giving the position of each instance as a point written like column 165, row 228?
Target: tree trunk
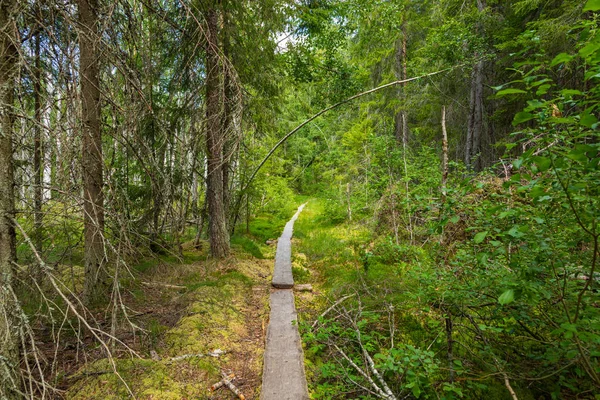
column 38, row 155
column 228, row 127
column 401, row 121
column 231, row 124
column 96, row 277
column 475, row 125
column 10, row 380
column 475, row 119
column 444, row 157
column 217, row 228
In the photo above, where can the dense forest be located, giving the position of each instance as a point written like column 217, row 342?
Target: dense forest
column 448, row 152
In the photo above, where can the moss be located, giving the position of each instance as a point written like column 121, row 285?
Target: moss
column 214, row 319
column 147, row 379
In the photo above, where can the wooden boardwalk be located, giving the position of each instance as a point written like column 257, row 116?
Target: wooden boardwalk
column 283, row 371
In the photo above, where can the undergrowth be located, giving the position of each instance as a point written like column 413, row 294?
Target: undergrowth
column 183, row 308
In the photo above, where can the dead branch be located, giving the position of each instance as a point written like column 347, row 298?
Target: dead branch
column 231, row 386
column 221, row 383
column 371, row 365
column 334, row 305
column 94, row 331
column 164, row 285
column 380, row 393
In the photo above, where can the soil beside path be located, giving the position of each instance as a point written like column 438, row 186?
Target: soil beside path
column 283, row 374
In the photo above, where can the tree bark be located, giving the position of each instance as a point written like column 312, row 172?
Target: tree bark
column 475, row 118
column 475, row 125
column 401, row 121
column 10, row 380
column 38, row 155
column 444, row 156
column 228, row 121
column 96, row 277
column 231, row 119
column 217, row 228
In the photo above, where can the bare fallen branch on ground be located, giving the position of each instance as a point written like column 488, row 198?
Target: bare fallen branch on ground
column 334, row 305
column 164, row 285
column 221, row 383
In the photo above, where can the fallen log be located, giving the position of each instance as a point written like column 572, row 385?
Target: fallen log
column 305, row 287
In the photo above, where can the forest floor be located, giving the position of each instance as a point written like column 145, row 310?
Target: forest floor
column 198, row 319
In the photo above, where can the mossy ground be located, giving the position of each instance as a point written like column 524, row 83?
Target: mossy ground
column 211, row 306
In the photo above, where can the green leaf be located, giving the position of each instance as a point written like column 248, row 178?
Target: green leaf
column 483, row 258
column 522, row 117
column 537, row 191
column 577, row 155
column 517, row 163
column 505, row 92
column 588, row 120
column 455, row 219
column 591, row 74
column 515, row 232
column 480, row 236
column 561, row 58
column 534, row 104
column 570, row 92
column 542, row 90
column 538, row 83
column 592, row 5
column 507, row 297
column 569, row 327
column 588, row 50
column 543, row 163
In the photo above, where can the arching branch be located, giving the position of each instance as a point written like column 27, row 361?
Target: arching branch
column 317, row 115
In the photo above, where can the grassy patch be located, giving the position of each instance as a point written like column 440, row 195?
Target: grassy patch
column 266, row 227
column 247, row 245
column 331, row 252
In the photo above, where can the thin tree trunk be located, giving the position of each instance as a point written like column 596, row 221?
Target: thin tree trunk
column 231, row 112
column 96, row 278
column 200, row 224
column 470, row 127
column 401, row 121
column 444, row 155
column 348, row 203
column 404, row 77
column 218, row 233
column 10, row 380
column 228, row 127
column 38, row 154
column 477, row 114
column 450, row 341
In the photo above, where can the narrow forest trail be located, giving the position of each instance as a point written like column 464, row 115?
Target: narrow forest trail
column 283, row 374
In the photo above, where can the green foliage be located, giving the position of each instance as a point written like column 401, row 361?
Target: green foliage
column 507, row 267
column 248, row 245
